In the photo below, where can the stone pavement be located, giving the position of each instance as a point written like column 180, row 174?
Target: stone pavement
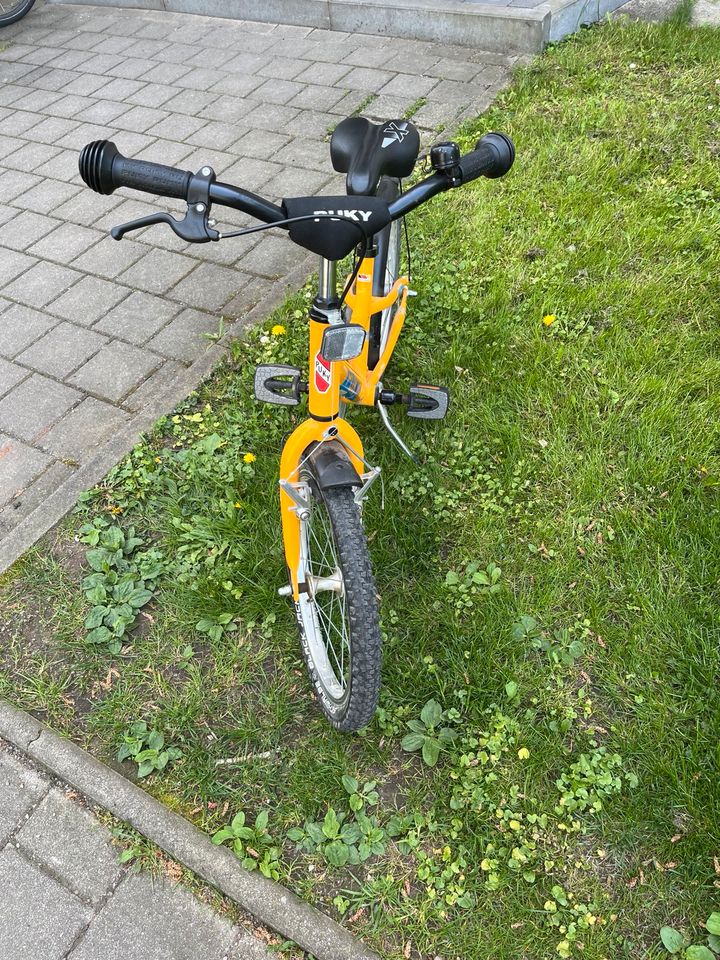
column 93, row 331
column 65, row 897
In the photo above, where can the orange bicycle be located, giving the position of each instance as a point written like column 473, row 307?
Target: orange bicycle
column 324, row 475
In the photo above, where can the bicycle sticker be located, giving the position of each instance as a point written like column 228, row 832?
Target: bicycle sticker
column 322, row 373
column 350, row 387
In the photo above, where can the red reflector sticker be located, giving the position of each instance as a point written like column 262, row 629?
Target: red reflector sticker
column 322, row 373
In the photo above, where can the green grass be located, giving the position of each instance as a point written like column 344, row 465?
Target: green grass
column 582, row 457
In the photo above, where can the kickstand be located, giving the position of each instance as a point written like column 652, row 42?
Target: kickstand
column 394, row 434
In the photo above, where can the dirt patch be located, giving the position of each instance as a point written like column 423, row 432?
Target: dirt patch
column 70, row 554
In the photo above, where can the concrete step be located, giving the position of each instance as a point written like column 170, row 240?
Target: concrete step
column 503, row 26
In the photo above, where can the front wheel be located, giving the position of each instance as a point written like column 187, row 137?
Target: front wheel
column 13, row 10
column 337, row 609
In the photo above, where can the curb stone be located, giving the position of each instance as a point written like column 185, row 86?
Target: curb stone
column 271, row 903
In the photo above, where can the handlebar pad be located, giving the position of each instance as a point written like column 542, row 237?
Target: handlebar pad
column 492, row 157
column 104, row 169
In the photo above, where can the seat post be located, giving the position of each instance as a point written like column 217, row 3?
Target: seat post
column 327, row 286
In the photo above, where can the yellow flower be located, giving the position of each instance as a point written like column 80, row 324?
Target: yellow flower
column 237, row 504
column 549, row 319
column 278, row 330
column 249, row 458
column 523, row 753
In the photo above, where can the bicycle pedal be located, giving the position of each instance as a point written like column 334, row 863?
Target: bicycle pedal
column 278, row 383
column 428, row 403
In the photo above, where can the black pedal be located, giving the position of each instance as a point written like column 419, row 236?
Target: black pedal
column 428, row 403
column 279, row 383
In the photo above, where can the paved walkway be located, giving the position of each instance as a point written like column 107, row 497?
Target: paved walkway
column 92, row 331
column 65, row 897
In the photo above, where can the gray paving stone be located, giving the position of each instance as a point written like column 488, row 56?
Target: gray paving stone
column 272, row 257
column 157, row 271
column 409, row 85
column 178, row 127
column 284, row 68
column 108, row 258
column 12, row 264
column 114, row 371
column 63, row 166
column 10, row 375
column 85, row 85
column 28, row 411
column 62, row 350
column 140, row 119
column 366, row 78
column 155, row 384
column 216, row 135
column 137, row 318
column 8, row 146
column 13, row 183
column 209, row 286
column 277, row 91
column 82, row 431
column 14, row 126
column 46, row 196
column 71, row 842
column 66, row 243
column 152, row 95
column 32, row 495
column 41, row 284
column 87, row 208
column 26, row 931
column 166, row 73
column 20, row 326
column 314, row 97
column 199, row 78
column 250, row 295
column 51, row 129
column 192, row 102
column 88, row 300
column 272, row 117
column 105, row 111
column 189, row 930
column 261, row 144
column 237, row 84
column 298, row 182
column 184, row 337
column 19, row 466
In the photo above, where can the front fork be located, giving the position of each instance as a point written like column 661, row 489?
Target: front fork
column 293, row 495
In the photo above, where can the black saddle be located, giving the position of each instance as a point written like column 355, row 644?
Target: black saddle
column 367, row 151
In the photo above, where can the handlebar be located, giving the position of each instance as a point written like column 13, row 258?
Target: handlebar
column 104, row 169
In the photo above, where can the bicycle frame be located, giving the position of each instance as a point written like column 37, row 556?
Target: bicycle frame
column 330, row 385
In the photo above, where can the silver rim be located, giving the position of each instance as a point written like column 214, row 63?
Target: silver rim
column 392, row 271
column 8, row 8
column 324, row 607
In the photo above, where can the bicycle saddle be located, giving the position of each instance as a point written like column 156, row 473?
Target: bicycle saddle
column 367, row 151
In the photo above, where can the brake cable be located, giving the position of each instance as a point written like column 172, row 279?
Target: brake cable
column 304, row 219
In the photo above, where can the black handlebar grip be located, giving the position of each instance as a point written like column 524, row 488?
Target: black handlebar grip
column 104, row 169
column 492, row 157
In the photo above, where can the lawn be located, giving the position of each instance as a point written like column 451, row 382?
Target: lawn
column 550, row 572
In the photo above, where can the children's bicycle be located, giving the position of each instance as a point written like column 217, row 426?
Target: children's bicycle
column 324, row 474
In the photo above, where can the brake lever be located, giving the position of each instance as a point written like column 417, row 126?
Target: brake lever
column 195, row 226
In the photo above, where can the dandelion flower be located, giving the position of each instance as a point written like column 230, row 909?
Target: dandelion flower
column 249, row 458
column 523, row 753
column 549, row 319
column 278, row 330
